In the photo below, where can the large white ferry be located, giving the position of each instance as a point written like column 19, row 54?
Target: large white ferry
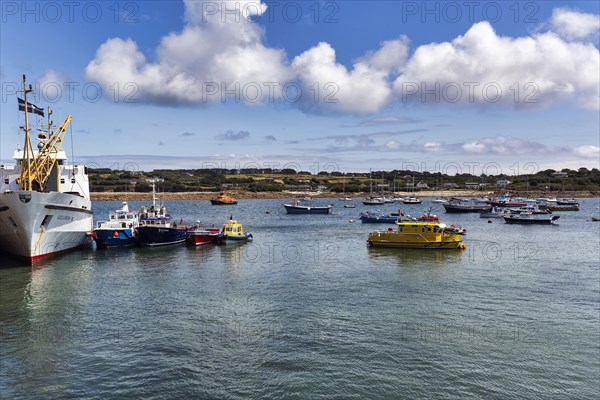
column 45, row 205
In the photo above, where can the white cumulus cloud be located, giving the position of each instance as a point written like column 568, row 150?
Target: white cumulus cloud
column 574, row 25
column 213, row 52
column 482, row 67
column 217, row 50
column 362, row 90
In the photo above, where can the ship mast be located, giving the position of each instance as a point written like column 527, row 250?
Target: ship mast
column 25, row 184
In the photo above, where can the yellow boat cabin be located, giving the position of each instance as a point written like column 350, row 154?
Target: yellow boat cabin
column 417, row 235
column 233, row 232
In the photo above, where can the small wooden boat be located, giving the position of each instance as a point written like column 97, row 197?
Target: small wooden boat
column 530, row 218
column 349, row 205
column 223, row 200
column 199, row 235
column 296, row 208
column 417, row 235
column 233, row 232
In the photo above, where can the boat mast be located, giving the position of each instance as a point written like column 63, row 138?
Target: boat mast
column 153, row 195
column 25, row 184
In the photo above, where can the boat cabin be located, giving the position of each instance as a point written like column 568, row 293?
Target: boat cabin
column 233, row 228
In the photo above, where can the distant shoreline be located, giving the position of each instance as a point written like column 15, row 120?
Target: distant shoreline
column 245, row 195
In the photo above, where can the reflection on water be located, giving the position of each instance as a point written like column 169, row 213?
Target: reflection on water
column 249, row 320
column 417, row 257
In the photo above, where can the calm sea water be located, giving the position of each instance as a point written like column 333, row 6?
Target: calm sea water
column 307, row 311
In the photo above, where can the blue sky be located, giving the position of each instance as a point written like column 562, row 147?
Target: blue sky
column 379, row 84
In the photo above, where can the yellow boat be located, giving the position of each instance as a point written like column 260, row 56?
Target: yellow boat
column 233, row 232
column 417, row 235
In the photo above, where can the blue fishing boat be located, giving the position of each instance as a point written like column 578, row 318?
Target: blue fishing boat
column 156, row 227
column 296, row 208
column 119, row 230
column 375, row 217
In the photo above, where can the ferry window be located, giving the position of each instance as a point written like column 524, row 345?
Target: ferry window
column 428, row 229
column 6, row 181
column 423, row 229
column 121, row 217
column 401, row 229
column 62, row 180
column 123, row 225
column 72, row 180
column 112, row 217
column 152, row 222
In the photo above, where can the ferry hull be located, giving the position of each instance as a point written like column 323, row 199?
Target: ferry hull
column 34, row 224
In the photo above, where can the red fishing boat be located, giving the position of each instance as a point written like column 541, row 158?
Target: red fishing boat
column 200, row 235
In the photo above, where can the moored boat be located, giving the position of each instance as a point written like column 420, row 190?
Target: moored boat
column 378, row 218
column 223, row 200
column 429, row 217
column 296, row 208
column 200, row 235
column 233, row 232
column 507, row 201
column 412, row 200
column 458, row 205
column 567, row 202
column 556, row 207
column 156, row 227
column 45, row 205
column 373, row 201
column 495, row 212
column 119, row 230
column 417, row 235
column 530, row 218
